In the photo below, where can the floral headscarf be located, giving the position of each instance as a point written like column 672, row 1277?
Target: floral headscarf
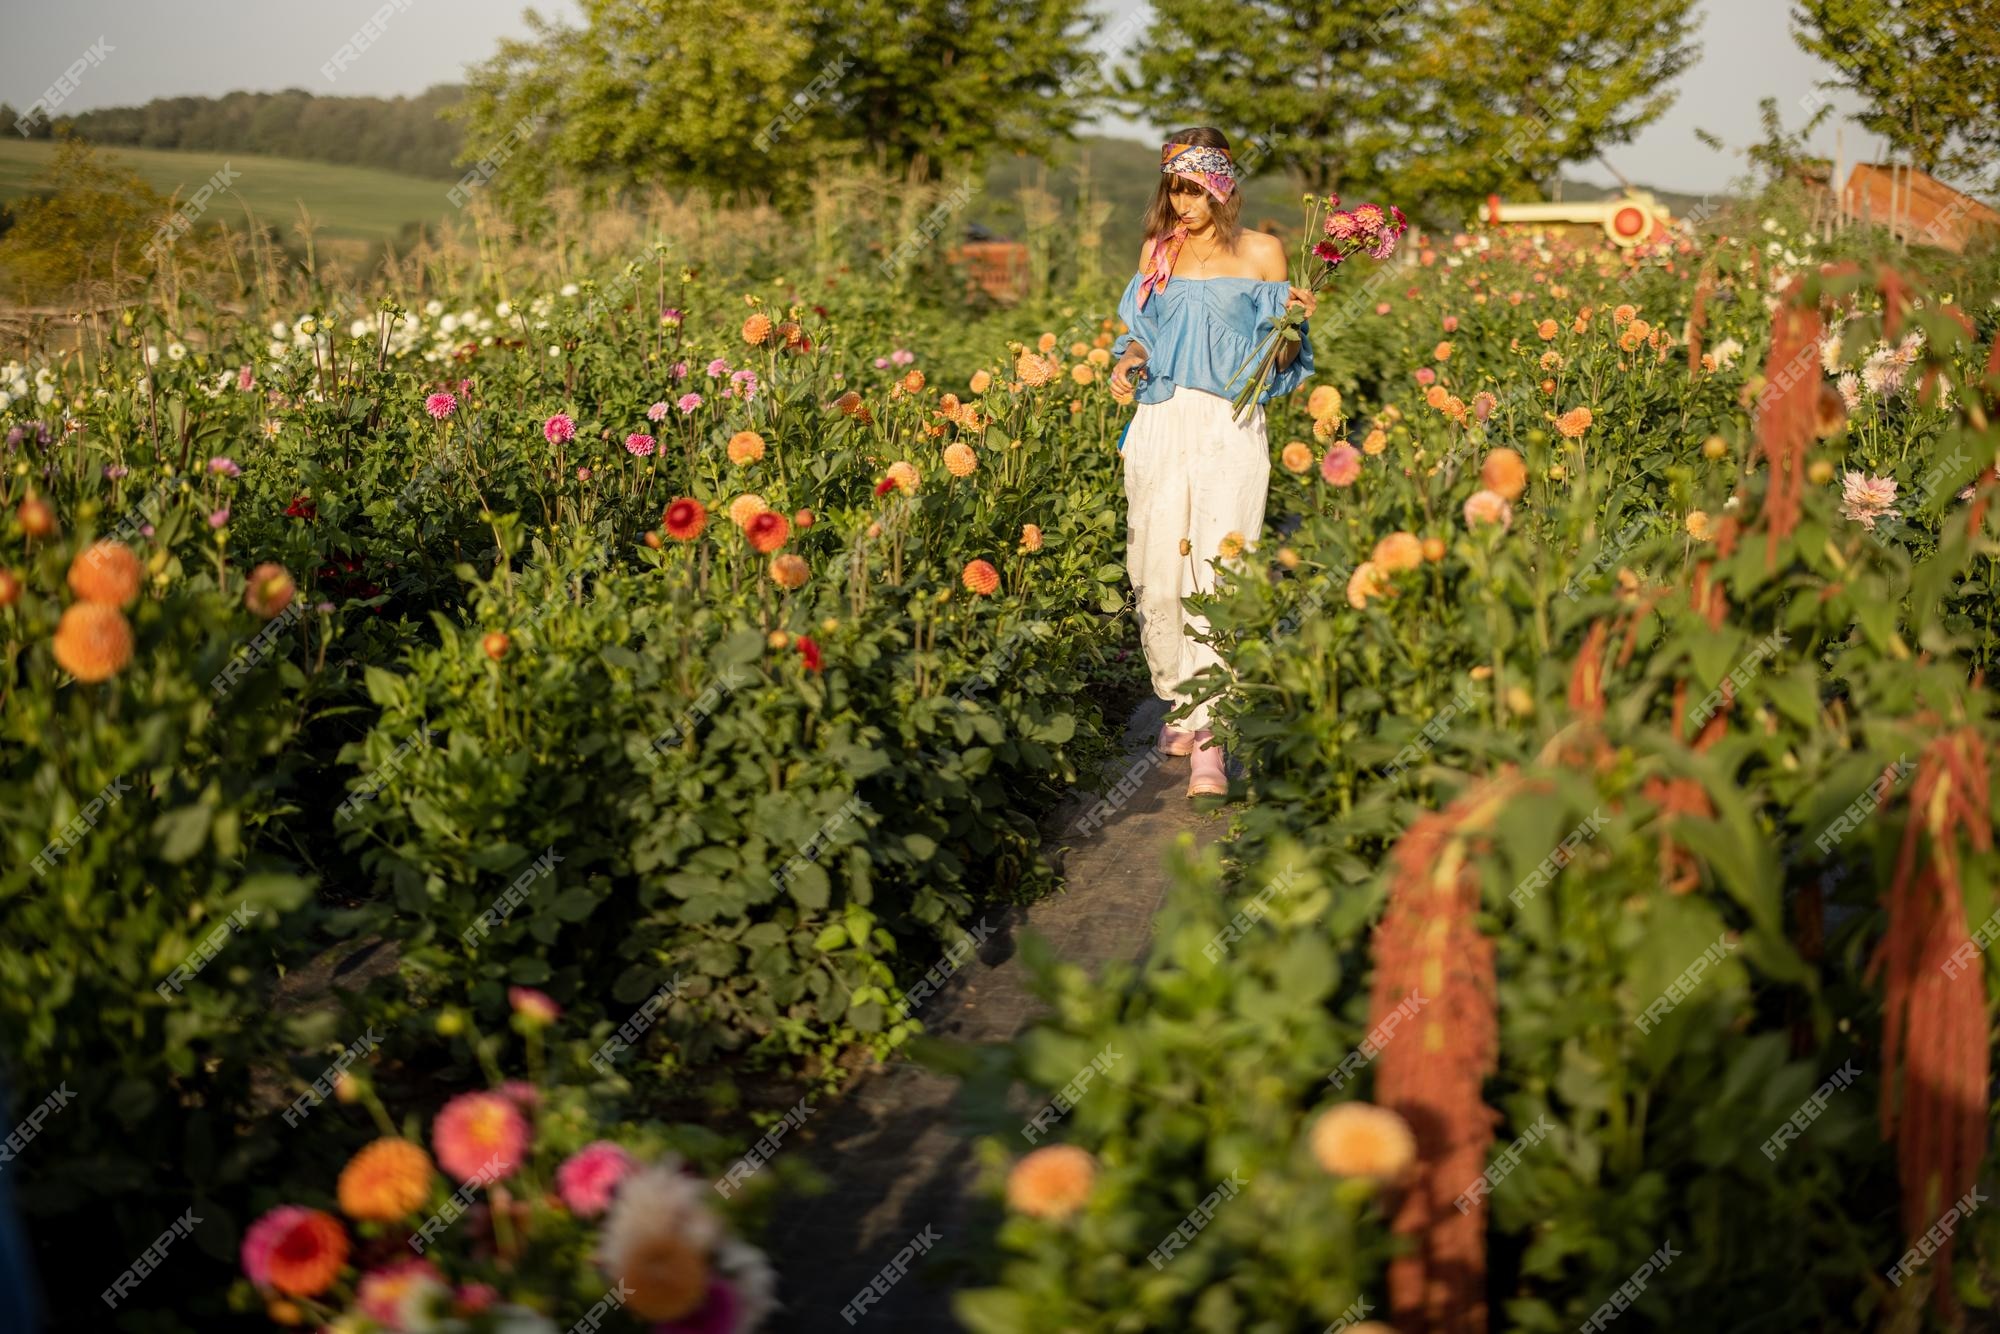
column 1211, row 168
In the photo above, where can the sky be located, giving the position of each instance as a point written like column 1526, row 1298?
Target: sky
column 136, row 50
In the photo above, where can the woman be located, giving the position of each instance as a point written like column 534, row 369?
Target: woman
column 1206, row 294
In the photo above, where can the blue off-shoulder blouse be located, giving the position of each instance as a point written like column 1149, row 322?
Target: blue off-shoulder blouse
column 1198, row 332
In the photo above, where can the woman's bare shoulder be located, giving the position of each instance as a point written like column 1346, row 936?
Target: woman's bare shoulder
column 1265, row 252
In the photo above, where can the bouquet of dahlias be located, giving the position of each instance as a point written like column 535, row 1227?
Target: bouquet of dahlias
column 527, row 1222
column 1342, row 235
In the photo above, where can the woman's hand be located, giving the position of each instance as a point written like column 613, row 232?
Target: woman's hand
column 1121, row 377
column 1303, row 296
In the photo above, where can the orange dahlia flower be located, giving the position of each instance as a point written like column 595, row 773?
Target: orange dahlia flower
column 1547, row 330
column 1052, row 1182
column 1323, row 403
column 269, row 590
column 904, row 475
column 980, row 577
column 36, row 518
column 308, row 1255
column 1375, row 441
column 1574, row 423
column 106, row 572
column 1297, row 456
column 1504, row 471
column 1082, row 373
column 10, row 588
column 981, row 382
column 1359, row 1139
column 385, row 1181
column 1365, row 583
column 93, row 642
column 745, row 447
column 757, row 328
column 1397, row 551
column 1046, row 343
column 913, row 381
column 960, row 460
column 789, row 571
column 1031, row 537
column 767, row 530
column 745, row 508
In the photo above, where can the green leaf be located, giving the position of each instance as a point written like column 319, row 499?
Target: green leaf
column 182, row 832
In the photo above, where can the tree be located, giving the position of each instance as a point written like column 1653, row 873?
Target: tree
column 1928, row 71
column 1317, row 87
column 1517, row 89
column 1433, row 102
column 1780, row 154
column 83, row 228
column 745, row 98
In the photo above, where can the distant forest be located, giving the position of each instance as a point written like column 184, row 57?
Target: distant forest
column 402, row 134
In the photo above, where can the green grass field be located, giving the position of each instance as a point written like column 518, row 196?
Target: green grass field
column 356, row 203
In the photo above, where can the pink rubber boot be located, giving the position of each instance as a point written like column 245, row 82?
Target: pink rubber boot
column 1206, row 776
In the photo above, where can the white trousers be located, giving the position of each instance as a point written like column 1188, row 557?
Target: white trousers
column 1193, row 473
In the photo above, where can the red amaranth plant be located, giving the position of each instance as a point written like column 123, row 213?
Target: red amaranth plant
column 1429, row 943
column 1786, row 414
column 1935, row 1058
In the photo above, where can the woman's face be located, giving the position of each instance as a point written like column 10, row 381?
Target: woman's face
column 1190, row 200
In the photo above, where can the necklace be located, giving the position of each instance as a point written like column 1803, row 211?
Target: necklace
column 1199, row 258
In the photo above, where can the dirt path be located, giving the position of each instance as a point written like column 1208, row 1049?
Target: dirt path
column 896, row 1159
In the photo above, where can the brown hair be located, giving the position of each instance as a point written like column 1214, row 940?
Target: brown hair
column 1160, row 215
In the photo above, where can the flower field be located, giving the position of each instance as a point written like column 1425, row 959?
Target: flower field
column 443, row 730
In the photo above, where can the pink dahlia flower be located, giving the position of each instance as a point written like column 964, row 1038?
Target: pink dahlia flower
column 589, row 1177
